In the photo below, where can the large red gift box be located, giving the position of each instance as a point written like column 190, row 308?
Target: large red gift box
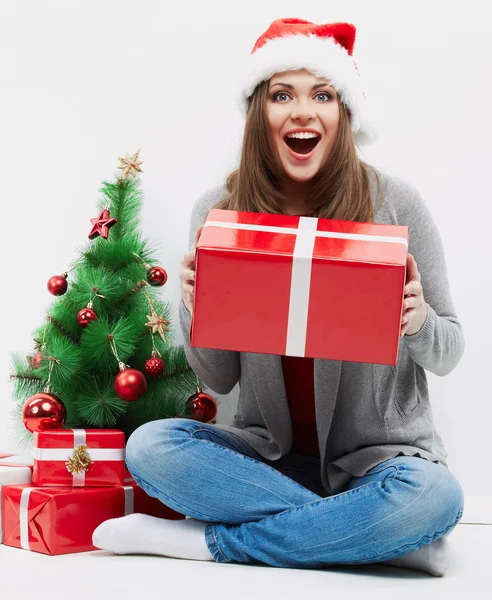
column 61, row 454
column 299, row 286
column 62, row 520
column 14, row 469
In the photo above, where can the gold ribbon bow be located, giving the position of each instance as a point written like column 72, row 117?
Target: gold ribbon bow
column 80, row 461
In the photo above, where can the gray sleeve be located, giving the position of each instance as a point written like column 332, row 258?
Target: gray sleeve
column 439, row 345
column 218, row 369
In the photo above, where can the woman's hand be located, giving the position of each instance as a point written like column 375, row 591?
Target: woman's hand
column 187, row 274
column 414, row 311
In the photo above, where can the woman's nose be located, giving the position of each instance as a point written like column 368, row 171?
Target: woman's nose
column 303, row 112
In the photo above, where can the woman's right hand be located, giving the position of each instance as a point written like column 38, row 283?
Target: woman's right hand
column 187, row 274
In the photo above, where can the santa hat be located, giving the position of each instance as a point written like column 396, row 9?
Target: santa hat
column 324, row 50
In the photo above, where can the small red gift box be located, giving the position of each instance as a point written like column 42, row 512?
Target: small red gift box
column 299, row 286
column 14, row 469
column 62, row 520
column 79, row 457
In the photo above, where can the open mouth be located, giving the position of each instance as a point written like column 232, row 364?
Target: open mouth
column 302, row 145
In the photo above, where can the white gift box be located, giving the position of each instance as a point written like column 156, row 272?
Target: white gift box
column 14, row 469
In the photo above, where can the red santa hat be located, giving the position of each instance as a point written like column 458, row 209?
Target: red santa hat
column 324, row 50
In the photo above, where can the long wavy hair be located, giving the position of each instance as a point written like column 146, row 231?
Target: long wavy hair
column 339, row 190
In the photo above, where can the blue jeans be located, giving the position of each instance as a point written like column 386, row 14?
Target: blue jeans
column 277, row 512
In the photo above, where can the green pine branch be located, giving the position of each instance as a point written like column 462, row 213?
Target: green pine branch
column 80, row 363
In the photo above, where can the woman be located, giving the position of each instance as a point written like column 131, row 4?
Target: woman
column 326, row 462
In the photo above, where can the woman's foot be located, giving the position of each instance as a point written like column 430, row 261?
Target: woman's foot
column 143, row 534
column 432, row 558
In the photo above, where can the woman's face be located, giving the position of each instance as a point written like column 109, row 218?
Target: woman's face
column 300, row 101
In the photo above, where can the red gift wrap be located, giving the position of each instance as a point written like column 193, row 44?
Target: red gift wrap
column 62, row 520
column 299, row 286
column 59, row 454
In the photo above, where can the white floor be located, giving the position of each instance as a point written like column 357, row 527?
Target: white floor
column 100, row 575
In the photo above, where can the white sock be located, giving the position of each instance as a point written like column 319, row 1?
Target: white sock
column 143, row 534
column 432, row 558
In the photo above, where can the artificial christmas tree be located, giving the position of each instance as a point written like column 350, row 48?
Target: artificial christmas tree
column 105, row 352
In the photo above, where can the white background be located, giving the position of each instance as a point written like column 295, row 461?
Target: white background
column 85, row 82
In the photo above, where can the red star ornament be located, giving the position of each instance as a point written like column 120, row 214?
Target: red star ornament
column 101, row 225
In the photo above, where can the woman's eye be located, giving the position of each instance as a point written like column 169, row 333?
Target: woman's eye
column 275, row 96
column 328, row 96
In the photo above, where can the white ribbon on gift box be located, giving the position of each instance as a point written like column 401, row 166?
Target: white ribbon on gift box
column 79, row 439
column 24, row 511
column 306, row 235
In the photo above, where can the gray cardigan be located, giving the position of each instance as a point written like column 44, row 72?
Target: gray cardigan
column 365, row 413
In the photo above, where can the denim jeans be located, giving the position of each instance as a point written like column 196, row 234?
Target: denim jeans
column 277, row 513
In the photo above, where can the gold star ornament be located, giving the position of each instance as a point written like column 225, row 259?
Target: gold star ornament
column 157, row 323
column 130, row 164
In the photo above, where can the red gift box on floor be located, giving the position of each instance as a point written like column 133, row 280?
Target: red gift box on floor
column 14, row 469
column 62, row 520
column 79, row 457
column 299, row 286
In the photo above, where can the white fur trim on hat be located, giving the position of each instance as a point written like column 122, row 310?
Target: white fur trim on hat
column 323, row 57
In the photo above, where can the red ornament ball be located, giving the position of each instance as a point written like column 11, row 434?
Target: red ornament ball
column 130, row 384
column 156, row 276
column 42, row 412
column 86, row 316
column 154, row 366
column 57, row 285
column 36, row 360
column 201, row 407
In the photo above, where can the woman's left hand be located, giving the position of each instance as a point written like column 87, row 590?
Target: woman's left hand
column 414, row 311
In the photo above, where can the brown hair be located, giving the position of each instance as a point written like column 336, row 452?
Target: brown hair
column 340, row 189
